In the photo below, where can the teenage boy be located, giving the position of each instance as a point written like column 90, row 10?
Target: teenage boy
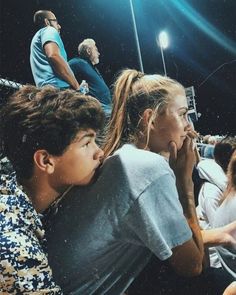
column 49, row 138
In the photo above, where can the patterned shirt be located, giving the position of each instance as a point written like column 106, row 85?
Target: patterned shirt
column 24, row 266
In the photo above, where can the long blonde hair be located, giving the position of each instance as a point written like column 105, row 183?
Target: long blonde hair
column 134, row 92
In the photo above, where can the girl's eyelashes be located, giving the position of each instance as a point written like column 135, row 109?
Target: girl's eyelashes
column 86, row 144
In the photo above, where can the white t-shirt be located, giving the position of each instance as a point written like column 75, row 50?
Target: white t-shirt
column 226, row 214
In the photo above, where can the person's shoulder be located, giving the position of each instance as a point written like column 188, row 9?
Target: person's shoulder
column 208, row 165
column 75, row 59
column 212, row 172
column 134, row 154
column 142, row 162
column 78, row 61
column 49, row 34
column 16, row 208
column 49, row 29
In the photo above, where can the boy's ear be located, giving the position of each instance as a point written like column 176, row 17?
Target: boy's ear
column 147, row 116
column 44, row 161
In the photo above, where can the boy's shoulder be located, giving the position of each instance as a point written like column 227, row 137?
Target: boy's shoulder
column 16, row 210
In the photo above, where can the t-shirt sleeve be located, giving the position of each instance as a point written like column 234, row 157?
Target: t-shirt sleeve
column 213, row 196
column 50, row 34
column 157, row 218
column 24, row 266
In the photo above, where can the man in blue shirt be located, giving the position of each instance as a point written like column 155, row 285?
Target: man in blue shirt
column 84, row 69
column 48, row 58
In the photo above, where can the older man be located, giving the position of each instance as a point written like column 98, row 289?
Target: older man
column 48, row 58
column 84, row 69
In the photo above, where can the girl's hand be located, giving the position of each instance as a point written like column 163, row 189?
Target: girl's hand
column 182, row 161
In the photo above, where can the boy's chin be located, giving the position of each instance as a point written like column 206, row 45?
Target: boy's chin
column 93, row 178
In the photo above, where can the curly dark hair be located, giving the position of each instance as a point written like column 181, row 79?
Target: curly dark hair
column 45, row 118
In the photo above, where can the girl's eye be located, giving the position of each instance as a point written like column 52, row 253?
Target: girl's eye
column 86, row 144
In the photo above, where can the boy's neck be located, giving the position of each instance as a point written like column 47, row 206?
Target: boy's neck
column 41, row 193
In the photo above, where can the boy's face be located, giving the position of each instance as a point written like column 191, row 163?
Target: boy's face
column 78, row 163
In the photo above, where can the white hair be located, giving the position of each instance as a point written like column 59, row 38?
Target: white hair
column 82, row 48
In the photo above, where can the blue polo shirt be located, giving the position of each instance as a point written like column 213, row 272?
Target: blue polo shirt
column 84, row 70
column 41, row 69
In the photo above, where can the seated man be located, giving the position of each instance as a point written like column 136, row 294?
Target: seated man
column 84, row 69
column 49, row 137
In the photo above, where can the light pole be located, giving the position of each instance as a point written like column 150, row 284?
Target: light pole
column 136, row 36
column 163, row 43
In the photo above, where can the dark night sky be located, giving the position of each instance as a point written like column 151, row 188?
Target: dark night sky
column 202, row 38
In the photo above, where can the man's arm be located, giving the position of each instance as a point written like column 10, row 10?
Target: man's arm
column 59, row 65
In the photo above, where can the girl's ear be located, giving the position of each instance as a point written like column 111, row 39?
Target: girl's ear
column 148, row 118
column 44, row 161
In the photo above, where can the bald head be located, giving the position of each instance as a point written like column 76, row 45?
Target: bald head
column 40, row 16
column 43, row 18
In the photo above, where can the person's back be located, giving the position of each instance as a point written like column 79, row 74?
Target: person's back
column 41, row 69
column 84, row 68
column 211, row 191
column 48, row 58
column 213, row 172
column 225, row 214
column 116, row 226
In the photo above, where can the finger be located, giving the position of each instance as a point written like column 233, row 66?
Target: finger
column 186, row 144
column 191, row 144
column 173, row 151
column 192, row 134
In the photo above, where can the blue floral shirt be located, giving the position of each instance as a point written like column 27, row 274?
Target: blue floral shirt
column 24, row 266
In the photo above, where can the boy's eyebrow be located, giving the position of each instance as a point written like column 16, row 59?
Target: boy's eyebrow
column 90, row 134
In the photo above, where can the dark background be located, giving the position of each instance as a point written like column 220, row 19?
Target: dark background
column 202, row 39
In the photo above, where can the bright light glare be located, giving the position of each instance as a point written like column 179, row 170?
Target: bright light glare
column 163, row 40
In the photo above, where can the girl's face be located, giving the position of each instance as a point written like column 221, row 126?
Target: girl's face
column 172, row 125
